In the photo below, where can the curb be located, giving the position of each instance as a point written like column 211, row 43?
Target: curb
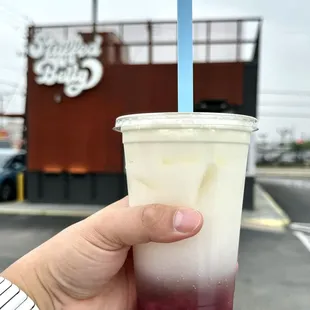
column 278, row 172
column 49, row 212
column 257, row 223
column 268, row 223
column 262, row 226
column 285, row 220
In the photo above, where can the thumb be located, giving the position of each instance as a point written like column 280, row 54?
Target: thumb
column 119, row 225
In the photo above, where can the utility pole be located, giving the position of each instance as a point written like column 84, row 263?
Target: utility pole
column 2, row 109
column 264, row 145
column 283, row 132
column 94, row 16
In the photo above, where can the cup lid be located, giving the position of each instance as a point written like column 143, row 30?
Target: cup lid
column 185, row 120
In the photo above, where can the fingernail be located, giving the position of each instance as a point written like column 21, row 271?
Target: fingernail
column 186, row 220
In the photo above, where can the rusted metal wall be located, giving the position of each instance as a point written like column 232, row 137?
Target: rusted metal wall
column 77, row 133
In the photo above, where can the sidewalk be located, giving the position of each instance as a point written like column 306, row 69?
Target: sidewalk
column 283, row 171
column 267, row 215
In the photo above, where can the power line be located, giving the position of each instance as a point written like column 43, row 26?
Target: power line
column 13, row 11
column 18, row 17
column 12, row 93
column 11, row 84
column 12, row 69
column 274, row 92
column 282, row 115
column 284, row 104
column 16, row 25
column 6, row 94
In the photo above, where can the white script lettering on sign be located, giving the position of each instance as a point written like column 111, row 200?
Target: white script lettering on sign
column 74, row 64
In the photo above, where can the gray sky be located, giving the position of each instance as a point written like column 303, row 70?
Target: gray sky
column 285, row 44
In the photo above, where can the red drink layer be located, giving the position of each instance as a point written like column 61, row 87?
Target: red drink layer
column 220, row 297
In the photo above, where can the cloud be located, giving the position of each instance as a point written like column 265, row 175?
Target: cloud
column 285, row 40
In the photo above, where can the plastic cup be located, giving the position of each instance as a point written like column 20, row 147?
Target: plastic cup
column 196, row 160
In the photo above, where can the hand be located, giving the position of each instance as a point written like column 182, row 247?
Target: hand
column 89, row 264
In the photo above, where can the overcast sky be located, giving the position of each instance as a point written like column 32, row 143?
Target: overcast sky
column 285, row 61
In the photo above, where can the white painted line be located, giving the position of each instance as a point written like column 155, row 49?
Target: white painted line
column 303, row 227
column 304, row 239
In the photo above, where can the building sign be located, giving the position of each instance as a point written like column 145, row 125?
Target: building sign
column 73, row 63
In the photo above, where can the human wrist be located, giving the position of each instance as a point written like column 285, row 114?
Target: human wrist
column 26, row 277
column 12, row 297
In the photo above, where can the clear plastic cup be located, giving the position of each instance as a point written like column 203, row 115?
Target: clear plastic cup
column 196, row 160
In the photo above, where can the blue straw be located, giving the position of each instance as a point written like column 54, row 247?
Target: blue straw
column 185, row 56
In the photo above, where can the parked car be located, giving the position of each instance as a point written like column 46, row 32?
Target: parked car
column 12, row 162
column 288, row 158
column 306, row 158
column 270, row 158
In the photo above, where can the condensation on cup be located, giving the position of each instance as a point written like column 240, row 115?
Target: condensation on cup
column 195, row 160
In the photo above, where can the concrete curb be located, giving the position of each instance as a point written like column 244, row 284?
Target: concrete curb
column 284, row 217
column 262, row 226
column 256, row 222
column 14, row 210
column 282, row 172
column 268, row 223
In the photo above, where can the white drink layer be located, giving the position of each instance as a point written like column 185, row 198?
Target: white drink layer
column 201, row 168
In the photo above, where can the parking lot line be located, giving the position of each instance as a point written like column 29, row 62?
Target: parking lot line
column 304, row 239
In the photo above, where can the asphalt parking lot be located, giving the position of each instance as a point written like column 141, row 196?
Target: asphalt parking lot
column 274, row 271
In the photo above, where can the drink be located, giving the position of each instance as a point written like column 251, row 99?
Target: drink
column 219, row 297
column 195, row 160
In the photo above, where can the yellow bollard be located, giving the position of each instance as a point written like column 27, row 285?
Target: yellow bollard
column 20, row 187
